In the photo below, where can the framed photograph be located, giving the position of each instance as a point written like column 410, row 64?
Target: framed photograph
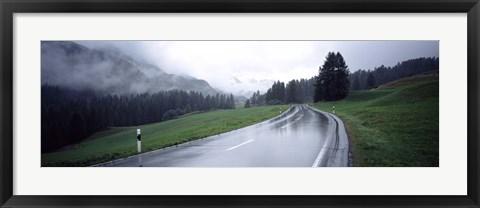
column 264, row 103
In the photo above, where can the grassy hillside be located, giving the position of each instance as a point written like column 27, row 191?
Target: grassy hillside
column 394, row 125
column 121, row 142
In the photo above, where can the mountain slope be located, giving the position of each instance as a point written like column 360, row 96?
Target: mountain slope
column 71, row 65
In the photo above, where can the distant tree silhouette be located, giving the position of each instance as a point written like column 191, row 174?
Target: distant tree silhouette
column 76, row 127
column 296, row 91
column 370, row 81
column 247, row 104
column 384, row 74
column 170, row 114
column 356, row 83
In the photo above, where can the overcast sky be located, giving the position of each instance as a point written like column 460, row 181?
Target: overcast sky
column 234, row 66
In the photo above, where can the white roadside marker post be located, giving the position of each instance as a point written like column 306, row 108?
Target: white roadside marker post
column 333, row 109
column 139, row 141
column 139, row 147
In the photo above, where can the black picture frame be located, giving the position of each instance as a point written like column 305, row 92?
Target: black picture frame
column 9, row 7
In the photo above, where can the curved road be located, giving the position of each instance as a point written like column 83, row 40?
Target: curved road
column 300, row 137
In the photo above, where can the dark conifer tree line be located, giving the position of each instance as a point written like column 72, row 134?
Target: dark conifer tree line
column 295, row 91
column 366, row 79
column 70, row 116
column 334, row 81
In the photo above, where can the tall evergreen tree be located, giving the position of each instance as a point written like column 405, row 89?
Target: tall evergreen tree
column 291, row 91
column 332, row 80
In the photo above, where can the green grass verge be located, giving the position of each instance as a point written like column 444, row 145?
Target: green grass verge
column 121, row 142
column 394, row 125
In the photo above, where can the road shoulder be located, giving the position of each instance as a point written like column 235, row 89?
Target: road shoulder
column 335, row 151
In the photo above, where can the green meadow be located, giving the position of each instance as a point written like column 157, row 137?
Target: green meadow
column 393, row 125
column 121, row 142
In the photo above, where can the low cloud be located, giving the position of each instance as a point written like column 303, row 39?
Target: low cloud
column 231, row 65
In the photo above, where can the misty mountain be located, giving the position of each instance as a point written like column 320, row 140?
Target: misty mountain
column 74, row 66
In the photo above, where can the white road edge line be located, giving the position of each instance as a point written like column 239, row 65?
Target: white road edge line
column 316, row 163
column 231, row 148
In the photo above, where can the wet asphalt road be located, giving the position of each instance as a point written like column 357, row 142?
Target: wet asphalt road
column 293, row 139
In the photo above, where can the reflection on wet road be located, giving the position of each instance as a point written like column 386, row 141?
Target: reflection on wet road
column 293, row 139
